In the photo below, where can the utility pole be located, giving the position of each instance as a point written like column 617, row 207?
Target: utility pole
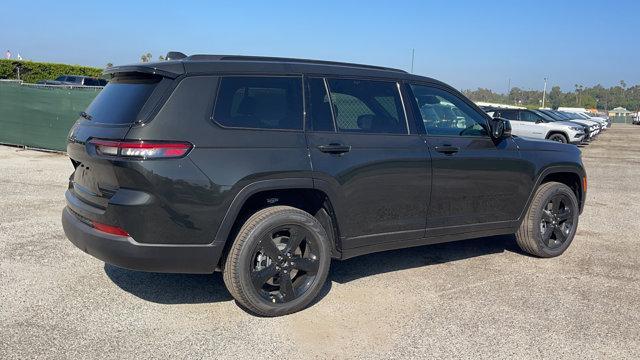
column 413, row 55
column 544, row 91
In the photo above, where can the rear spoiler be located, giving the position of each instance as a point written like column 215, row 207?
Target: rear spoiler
column 169, row 69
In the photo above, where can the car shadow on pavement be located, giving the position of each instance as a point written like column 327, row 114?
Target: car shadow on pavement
column 209, row 288
column 165, row 288
column 408, row 258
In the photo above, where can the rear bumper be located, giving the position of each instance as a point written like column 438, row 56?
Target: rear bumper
column 127, row 253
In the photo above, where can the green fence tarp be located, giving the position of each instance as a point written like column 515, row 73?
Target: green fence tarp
column 40, row 116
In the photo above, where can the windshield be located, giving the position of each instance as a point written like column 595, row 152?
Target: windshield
column 552, row 115
column 543, row 115
column 122, row 99
column 571, row 116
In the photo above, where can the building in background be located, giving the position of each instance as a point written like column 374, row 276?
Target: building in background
column 621, row 115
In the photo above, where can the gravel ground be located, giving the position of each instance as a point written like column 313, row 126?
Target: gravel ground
column 473, row 299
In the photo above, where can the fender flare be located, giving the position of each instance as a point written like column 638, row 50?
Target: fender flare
column 265, row 185
column 551, row 132
column 554, row 169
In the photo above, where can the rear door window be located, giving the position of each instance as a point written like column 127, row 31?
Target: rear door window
column 529, row 116
column 508, row 114
column 367, row 106
column 122, row 99
column 259, row 102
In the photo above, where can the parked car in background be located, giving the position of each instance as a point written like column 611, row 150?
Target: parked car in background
column 75, row 80
column 584, row 114
column 594, row 127
column 532, row 124
column 580, row 117
column 267, row 168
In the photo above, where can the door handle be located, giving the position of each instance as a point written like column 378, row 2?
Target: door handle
column 334, row 148
column 447, row 149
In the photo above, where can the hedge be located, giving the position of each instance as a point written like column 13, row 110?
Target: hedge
column 32, row 72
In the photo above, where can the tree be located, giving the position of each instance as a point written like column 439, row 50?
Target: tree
column 109, row 65
column 555, row 97
column 146, row 57
column 161, row 58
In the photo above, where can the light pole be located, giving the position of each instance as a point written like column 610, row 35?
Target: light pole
column 544, row 91
column 413, row 55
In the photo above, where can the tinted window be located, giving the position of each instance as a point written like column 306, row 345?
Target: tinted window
column 73, row 79
column 121, row 100
column 90, row 82
column 61, row 78
column 367, row 106
column 445, row 114
column 318, row 106
column 259, row 102
column 529, row 116
column 508, row 114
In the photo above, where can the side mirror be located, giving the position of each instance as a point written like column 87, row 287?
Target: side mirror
column 500, row 128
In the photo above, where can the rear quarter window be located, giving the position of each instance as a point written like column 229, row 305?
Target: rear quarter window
column 259, row 102
column 122, row 99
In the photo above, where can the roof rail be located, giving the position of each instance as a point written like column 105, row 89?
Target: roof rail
column 282, row 59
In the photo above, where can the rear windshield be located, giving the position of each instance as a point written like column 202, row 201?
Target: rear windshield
column 122, row 99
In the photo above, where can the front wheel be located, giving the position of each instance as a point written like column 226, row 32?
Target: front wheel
column 551, row 221
column 558, row 138
column 279, row 261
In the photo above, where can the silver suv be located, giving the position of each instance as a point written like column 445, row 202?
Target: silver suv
column 534, row 124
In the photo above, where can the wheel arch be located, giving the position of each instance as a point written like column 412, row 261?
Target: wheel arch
column 296, row 192
column 554, row 132
column 569, row 175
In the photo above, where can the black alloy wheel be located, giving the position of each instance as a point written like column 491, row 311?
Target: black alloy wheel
column 278, row 262
column 557, row 221
column 285, row 263
column 551, row 222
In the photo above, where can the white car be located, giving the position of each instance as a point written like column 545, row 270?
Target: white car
column 532, row 124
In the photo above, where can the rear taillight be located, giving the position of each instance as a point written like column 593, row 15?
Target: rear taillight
column 113, row 230
column 141, row 149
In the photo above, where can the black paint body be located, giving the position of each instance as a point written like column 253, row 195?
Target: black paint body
column 388, row 191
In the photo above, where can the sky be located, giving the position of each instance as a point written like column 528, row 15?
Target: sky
column 467, row 44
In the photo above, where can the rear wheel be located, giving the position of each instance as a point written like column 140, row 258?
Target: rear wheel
column 551, row 221
column 278, row 262
column 558, row 138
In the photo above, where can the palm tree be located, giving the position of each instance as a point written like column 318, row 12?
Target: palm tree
column 146, row 57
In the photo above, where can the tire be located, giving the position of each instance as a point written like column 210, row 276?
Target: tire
column 541, row 231
column 262, row 258
column 558, row 138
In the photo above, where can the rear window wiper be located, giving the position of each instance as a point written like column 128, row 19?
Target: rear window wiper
column 85, row 115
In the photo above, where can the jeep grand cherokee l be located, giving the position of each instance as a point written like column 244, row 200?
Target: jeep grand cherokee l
column 268, row 168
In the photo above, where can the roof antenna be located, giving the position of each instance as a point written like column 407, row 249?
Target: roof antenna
column 175, row 55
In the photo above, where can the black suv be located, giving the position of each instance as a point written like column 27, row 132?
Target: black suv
column 268, row 168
